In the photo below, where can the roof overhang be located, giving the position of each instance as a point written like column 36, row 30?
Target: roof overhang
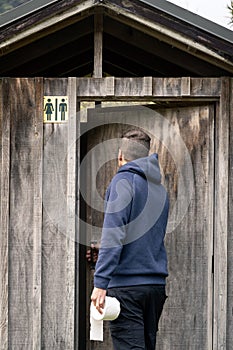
column 151, row 17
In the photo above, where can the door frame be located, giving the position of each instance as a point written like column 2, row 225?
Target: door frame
column 189, row 90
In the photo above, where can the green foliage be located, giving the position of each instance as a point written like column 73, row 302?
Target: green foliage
column 230, row 7
column 7, row 5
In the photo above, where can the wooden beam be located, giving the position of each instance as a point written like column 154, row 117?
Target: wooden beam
column 221, row 217
column 133, row 86
column 95, row 87
column 98, row 43
column 208, row 88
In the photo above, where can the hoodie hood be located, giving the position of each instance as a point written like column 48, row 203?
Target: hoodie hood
column 147, row 167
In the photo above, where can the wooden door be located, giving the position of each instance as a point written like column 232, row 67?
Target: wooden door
column 184, row 140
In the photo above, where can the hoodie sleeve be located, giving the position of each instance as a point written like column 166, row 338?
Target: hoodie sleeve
column 117, row 214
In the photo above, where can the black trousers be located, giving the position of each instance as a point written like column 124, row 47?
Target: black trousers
column 137, row 324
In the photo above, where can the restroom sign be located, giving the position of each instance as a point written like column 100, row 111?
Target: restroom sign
column 55, row 109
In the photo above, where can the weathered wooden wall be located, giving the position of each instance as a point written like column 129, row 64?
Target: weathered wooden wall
column 39, row 281
column 37, row 255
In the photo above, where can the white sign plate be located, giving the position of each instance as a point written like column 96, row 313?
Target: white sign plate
column 55, row 109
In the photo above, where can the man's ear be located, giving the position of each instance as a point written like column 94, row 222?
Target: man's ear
column 121, row 159
column 120, row 155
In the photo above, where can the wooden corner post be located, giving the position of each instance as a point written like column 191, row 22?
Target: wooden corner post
column 221, row 217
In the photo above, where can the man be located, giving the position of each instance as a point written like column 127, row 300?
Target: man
column 132, row 260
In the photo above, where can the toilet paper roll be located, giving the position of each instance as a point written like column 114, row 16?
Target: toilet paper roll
column 110, row 312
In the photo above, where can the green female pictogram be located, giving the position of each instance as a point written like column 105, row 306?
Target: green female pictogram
column 49, row 109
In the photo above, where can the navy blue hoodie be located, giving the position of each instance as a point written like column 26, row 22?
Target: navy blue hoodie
column 132, row 248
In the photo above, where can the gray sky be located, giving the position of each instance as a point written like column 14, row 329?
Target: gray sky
column 214, row 10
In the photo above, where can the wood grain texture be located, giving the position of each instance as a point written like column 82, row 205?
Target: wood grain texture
column 205, row 86
column 133, row 86
column 39, row 265
column 186, row 322
column 4, row 210
column 98, row 43
column 21, row 101
column 58, row 223
column 229, row 340
column 37, row 212
column 185, row 86
column 209, row 222
column 71, row 215
column 221, row 217
column 147, row 86
column 79, row 249
column 95, row 87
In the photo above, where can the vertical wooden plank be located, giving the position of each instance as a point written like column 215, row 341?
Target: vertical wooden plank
column 221, row 217
column 54, row 253
column 98, row 43
column 21, row 99
column 230, row 232
column 37, row 225
column 185, row 86
column 81, row 278
column 71, row 213
column 147, row 88
column 4, row 210
column 58, row 225
column 209, row 225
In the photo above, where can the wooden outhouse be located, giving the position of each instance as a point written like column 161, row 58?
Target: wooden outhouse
column 74, row 75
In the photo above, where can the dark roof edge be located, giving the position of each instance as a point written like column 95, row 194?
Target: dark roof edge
column 23, row 10
column 191, row 18
column 161, row 5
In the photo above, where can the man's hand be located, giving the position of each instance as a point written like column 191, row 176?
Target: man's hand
column 98, row 298
column 92, row 255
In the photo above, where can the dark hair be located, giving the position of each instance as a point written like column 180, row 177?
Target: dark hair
column 135, row 144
